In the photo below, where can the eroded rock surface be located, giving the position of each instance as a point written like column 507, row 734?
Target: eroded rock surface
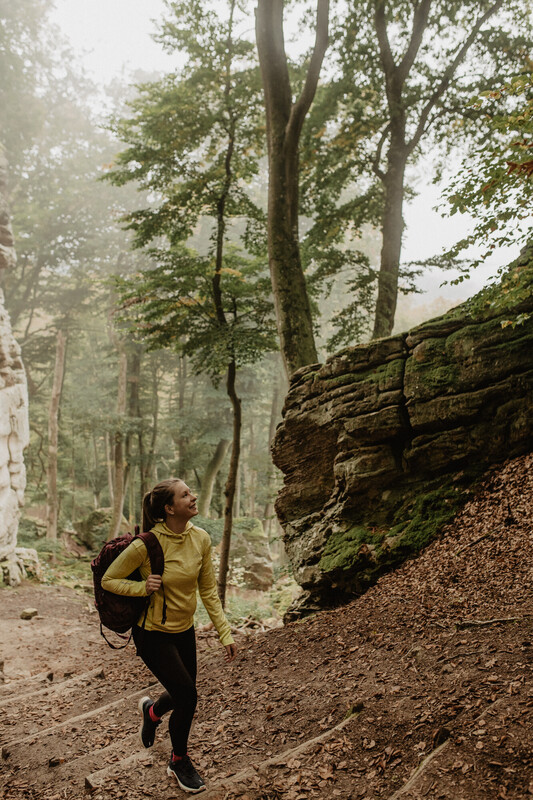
column 14, row 425
column 382, row 443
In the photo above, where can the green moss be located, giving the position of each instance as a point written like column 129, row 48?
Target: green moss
column 382, row 374
column 342, row 548
column 418, row 522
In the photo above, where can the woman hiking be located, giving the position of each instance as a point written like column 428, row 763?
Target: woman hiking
column 168, row 647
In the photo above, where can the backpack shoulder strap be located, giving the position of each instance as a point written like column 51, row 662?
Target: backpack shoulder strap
column 154, row 550
column 157, row 562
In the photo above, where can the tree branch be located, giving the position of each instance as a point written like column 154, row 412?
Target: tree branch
column 385, row 51
column 376, row 169
column 420, row 20
column 302, row 105
column 449, row 73
column 272, row 57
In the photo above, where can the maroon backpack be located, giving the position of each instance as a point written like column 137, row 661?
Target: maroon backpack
column 120, row 612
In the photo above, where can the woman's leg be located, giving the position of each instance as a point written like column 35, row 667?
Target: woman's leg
column 171, row 657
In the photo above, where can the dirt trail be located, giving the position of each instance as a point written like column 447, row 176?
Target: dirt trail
column 401, row 694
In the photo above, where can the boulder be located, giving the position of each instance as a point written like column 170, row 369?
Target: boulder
column 382, row 444
column 93, row 530
column 28, row 613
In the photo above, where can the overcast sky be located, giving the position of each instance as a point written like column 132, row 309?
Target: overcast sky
column 113, row 40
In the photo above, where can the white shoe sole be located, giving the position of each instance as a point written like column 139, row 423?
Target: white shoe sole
column 171, row 773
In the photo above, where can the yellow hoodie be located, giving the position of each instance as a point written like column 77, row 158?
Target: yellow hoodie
column 187, row 566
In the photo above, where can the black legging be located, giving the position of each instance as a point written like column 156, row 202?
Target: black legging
column 171, row 657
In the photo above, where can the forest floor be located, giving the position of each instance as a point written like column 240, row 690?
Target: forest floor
column 421, row 688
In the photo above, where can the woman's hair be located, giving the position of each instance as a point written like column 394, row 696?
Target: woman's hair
column 154, row 502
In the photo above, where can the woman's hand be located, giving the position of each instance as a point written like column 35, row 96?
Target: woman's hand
column 231, row 652
column 153, row 582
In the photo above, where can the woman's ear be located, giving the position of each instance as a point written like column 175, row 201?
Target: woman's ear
column 169, row 511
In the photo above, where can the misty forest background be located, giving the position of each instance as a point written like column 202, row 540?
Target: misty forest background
column 142, row 298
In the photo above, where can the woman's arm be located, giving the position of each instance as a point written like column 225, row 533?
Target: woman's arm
column 116, row 579
column 208, row 592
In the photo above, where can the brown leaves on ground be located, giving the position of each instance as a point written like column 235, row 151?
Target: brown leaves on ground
column 441, row 710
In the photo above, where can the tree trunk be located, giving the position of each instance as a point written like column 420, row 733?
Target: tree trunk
column 109, row 466
column 284, row 120
column 118, row 477
column 396, row 75
column 96, row 490
column 280, row 387
column 52, row 500
column 182, row 439
column 231, row 482
column 209, row 477
column 147, row 459
column 238, row 489
column 251, row 475
column 392, row 231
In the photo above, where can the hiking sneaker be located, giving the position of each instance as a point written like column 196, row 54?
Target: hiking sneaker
column 148, row 726
column 186, row 775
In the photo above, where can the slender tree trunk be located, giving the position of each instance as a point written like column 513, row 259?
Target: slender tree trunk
column 96, row 490
column 147, row 457
column 182, row 439
column 280, row 387
column 231, row 482
column 52, row 499
column 209, row 477
column 284, row 120
column 119, row 467
column 251, row 473
column 109, row 466
column 392, row 230
column 133, row 373
column 396, row 74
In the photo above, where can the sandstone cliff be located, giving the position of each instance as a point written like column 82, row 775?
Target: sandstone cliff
column 381, row 444
column 14, row 426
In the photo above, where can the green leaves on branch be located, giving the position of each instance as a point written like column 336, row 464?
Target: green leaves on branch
column 172, row 306
column 193, row 144
column 495, row 185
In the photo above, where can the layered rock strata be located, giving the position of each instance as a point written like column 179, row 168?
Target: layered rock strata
column 380, row 445
column 14, row 425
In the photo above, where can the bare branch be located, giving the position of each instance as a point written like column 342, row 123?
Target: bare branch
column 449, row 73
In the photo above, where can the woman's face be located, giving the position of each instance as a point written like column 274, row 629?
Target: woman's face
column 184, row 503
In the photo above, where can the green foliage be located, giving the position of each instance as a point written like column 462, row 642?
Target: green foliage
column 196, row 136
column 194, row 141
column 495, row 185
column 362, row 130
column 173, row 305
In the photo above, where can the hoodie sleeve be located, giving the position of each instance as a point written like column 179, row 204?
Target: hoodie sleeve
column 116, row 579
column 208, row 592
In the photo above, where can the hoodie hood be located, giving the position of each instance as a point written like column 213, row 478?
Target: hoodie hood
column 163, row 529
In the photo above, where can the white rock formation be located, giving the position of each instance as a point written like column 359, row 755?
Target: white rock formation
column 14, row 423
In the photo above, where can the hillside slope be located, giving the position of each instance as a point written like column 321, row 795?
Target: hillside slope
column 421, row 688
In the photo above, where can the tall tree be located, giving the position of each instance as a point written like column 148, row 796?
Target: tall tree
column 407, row 72
column 285, row 119
column 198, row 157
column 52, row 505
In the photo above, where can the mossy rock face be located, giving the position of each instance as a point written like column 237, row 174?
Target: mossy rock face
column 95, row 528
column 382, row 444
